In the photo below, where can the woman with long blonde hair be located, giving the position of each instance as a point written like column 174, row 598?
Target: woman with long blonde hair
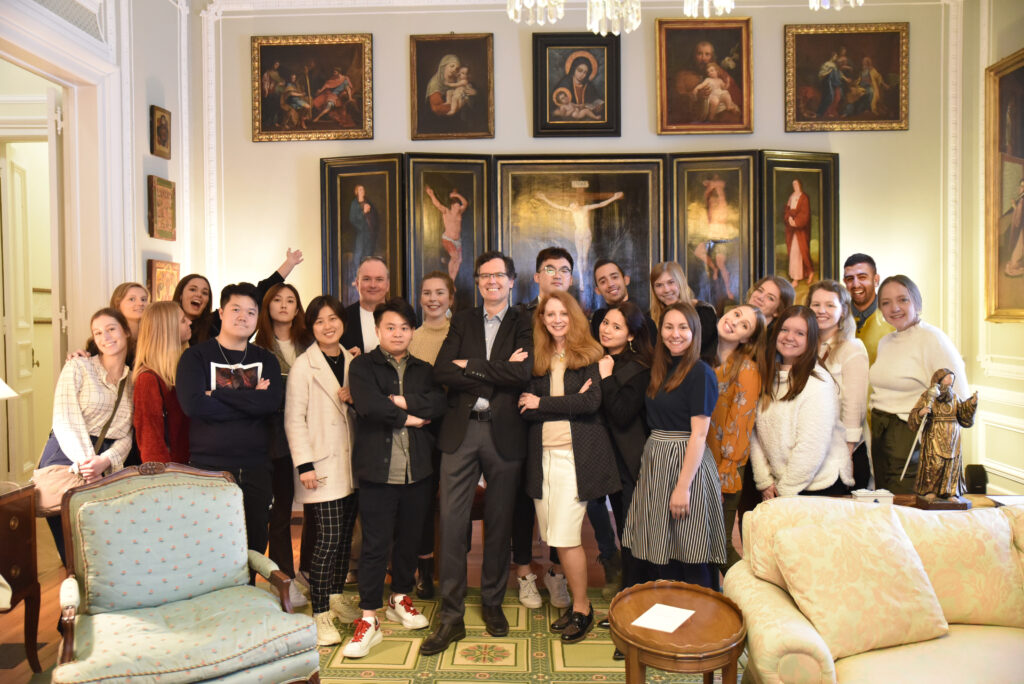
column 161, row 428
column 668, row 287
column 570, row 458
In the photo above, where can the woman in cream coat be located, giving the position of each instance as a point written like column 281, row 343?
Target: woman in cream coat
column 318, row 422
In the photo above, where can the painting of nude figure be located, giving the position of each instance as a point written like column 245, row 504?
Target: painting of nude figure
column 449, row 209
column 593, row 207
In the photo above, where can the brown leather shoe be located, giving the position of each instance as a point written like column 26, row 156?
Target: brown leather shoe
column 446, row 634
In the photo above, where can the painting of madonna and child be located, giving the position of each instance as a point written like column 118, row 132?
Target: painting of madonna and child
column 312, row 87
column 593, row 208
column 452, row 86
column 575, row 85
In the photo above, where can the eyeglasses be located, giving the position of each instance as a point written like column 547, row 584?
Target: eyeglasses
column 551, row 270
column 492, row 276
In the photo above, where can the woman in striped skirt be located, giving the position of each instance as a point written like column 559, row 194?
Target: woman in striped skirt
column 674, row 527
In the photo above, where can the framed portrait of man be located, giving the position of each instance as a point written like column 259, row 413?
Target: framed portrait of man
column 452, row 91
column 361, row 216
column 594, row 207
column 576, row 88
column 704, row 76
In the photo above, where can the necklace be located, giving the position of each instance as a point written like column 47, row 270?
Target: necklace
column 224, row 356
column 333, row 360
column 560, row 355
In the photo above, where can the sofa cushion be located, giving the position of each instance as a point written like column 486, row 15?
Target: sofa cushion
column 186, row 641
column 1015, row 515
column 969, row 653
column 972, row 563
column 761, row 524
column 860, row 582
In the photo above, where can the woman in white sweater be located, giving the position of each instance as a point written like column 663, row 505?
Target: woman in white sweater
column 903, row 368
column 846, row 359
column 800, row 444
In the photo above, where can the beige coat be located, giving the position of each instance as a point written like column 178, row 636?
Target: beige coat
column 319, row 426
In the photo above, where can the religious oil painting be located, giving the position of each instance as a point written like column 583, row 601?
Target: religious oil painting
column 162, row 277
column 801, row 217
column 847, row 77
column 361, row 216
column 312, row 87
column 712, row 207
column 160, row 214
column 594, row 207
column 159, row 132
column 1004, row 189
column 704, row 76
column 452, row 90
column 575, row 85
column 450, row 212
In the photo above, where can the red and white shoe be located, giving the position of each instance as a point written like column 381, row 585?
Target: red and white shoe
column 400, row 609
column 368, row 635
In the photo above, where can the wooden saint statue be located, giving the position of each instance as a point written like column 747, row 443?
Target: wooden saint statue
column 940, row 473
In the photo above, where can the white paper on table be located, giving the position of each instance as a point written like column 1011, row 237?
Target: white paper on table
column 663, row 618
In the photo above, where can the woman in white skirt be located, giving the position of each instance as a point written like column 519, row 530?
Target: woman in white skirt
column 675, row 528
column 570, row 459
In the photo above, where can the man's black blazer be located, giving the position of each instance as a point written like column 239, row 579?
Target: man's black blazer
column 496, row 379
column 353, row 333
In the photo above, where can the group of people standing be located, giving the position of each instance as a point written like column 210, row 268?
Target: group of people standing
column 683, row 418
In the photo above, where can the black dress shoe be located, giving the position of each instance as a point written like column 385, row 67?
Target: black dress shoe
column 604, row 624
column 618, row 655
column 563, row 621
column 445, row 635
column 495, row 621
column 579, row 625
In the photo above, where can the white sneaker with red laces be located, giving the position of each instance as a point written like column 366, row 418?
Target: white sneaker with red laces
column 368, row 635
column 400, row 609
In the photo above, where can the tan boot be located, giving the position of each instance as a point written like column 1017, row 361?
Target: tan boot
column 326, row 633
column 343, row 610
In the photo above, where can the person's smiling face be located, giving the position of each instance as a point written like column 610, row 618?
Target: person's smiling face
column 792, row 340
column 676, row 332
column 897, row 306
column 737, row 325
column 195, row 297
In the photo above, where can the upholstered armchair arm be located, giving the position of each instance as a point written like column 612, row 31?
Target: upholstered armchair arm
column 783, row 645
column 69, row 602
column 269, row 571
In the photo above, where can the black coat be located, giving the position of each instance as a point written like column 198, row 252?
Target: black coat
column 496, row 378
column 596, row 472
column 352, row 335
column 371, row 380
column 622, row 404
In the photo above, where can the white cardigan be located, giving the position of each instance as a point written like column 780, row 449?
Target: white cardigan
column 800, row 444
column 319, row 426
column 848, row 366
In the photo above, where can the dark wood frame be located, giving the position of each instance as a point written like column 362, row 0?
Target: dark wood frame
column 19, row 564
column 154, row 186
column 337, row 176
column 543, row 88
column 485, row 53
column 155, row 148
column 481, row 209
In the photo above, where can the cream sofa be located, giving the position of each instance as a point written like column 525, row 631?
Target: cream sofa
column 974, row 561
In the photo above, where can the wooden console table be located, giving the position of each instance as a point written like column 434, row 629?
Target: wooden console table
column 18, row 560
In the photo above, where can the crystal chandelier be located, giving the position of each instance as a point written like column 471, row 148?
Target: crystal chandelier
column 622, row 15
column 833, row 4
column 692, row 8
column 537, row 11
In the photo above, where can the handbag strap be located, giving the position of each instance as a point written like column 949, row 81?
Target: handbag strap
column 106, row 426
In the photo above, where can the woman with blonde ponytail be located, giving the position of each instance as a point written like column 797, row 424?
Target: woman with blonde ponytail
column 161, row 428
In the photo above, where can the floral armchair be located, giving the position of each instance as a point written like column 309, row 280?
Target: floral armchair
column 158, row 586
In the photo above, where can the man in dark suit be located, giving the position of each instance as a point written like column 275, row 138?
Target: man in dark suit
column 485, row 362
column 372, row 283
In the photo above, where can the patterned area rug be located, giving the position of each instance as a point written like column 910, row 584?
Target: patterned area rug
column 527, row 655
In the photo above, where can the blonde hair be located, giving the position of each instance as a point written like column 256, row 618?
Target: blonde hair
column 581, row 349
column 676, row 271
column 159, row 345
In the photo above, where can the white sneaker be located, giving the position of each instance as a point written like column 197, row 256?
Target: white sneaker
column 367, row 636
column 302, row 581
column 343, row 610
column 558, row 589
column 529, row 596
column 326, row 633
column 295, row 595
column 400, row 609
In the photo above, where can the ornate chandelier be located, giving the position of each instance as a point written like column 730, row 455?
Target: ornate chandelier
column 537, row 11
column 622, row 15
column 833, row 4
column 692, row 8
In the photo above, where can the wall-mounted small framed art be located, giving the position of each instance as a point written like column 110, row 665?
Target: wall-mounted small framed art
column 159, row 132
column 160, row 214
column 161, row 278
column 576, row 85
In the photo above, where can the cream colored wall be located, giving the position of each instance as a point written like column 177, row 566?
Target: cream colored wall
column 22, row 94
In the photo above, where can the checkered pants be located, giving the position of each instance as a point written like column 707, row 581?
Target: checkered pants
column 334, row 522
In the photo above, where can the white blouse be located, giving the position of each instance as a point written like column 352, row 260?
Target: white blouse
column 82, row 404
column 848, row 366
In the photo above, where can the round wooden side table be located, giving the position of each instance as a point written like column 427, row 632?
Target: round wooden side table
column 712, row 638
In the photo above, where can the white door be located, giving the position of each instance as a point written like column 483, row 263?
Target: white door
column 55, row 139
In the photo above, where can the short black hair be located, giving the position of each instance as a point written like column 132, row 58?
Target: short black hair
column 551, row 253
column 490, row 255
column 859, row 258
column 240, row 290
column 395, row 305
column 604, row 262
column 316, row 306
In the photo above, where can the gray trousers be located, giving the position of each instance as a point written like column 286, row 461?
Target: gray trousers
column 460, row 473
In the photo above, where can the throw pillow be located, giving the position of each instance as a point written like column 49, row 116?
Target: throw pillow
column 860, row 582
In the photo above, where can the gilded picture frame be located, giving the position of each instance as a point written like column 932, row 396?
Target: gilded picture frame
column 576, row 89
column 312, row 87
column 162, row 278
column 452, row 86
column 160, row 214
column 847, row 77
column 1004, row 190
column 704, row 76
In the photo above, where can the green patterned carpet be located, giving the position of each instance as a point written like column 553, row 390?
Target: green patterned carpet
column 527, row 655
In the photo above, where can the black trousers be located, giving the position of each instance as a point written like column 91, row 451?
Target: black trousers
column 392, row 516
column 280, row 533
column 257, row 494
column 621, row 501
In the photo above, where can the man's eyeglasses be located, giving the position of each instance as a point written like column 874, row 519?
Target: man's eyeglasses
column 551, row 270
column 492, row 276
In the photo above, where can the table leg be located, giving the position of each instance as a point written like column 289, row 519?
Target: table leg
column 709, row 677
column 32, row 627
column 636, row 672
column 729, row 672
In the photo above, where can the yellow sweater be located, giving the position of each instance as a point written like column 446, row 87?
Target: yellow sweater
column 874, row 329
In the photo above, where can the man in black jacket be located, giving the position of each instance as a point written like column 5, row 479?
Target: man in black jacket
column 485, row 362
column 372, row 282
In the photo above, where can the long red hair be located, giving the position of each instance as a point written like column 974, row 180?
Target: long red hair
column 581, row 349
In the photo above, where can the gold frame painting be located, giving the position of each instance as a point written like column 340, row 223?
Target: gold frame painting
column 313, row 87
column 452, row 86
column 1004, row 189
column 847, row 77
